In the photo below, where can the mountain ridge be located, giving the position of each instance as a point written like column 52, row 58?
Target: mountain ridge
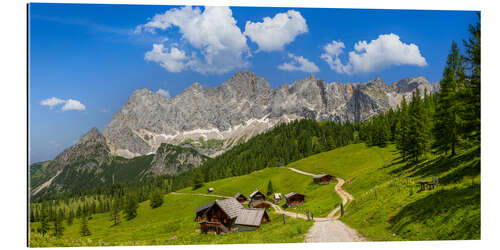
column 243, row 106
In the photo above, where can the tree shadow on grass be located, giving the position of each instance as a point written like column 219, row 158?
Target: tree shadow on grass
column 440, row 165
column 442, row 215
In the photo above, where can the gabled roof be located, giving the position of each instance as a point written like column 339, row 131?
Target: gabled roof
column 256, row 192
column 204, row 206
column 292, row 194
column 238, row 195
column 321, row 176
column 250, row 216
column 230, row 206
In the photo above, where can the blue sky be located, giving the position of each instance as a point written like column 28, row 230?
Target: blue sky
column 85, row 60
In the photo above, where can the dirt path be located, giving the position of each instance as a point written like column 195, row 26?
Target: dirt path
column 325, row 229
column 330, row 229
column 207, row 195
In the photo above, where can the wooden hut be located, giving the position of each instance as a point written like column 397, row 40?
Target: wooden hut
column 322, row 178
column 257, row 197
column 250, row 219
column 240, row 197
column 294, row 199
column 219, row 216
column 223, row 216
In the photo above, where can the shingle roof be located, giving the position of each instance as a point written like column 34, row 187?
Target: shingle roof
column 250, row 216
column 255, row 192
column 204, row 206
column 230, row 206
column 238, row 195
column 289, row 194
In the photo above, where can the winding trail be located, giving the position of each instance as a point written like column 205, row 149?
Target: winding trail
column 330, row 229
column 325, row 229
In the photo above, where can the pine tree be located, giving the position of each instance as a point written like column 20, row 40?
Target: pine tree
column 270, row 190
column 447, row 122
column 156, row 198
column 44, row 223
column 115, row 212
column 472, row 91
column 84, row 227
column 131, row 206
column 417, row 134
column 197, row 179
column 71, row 216
column 58, row 226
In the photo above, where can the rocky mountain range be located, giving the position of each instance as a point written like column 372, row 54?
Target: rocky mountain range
column 244, row 106
column 152, row 135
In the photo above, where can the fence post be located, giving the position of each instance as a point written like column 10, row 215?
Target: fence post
column 341, row 209
column 375, row 192
column 284, row 219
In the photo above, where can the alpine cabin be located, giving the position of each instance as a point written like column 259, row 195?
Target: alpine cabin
column 240, row 198
column 224, row 216
column 322, row 178
column 294, row 199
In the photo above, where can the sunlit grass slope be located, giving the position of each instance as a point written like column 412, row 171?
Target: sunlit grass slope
column 388, row 204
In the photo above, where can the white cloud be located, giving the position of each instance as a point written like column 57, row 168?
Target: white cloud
column 274, row 33
column 163, row 93
column 69, row 104
column 213, row 33
column 173, row 61
column 299, row 63
column 73, row 105
column 51, row 102
column 378, row 54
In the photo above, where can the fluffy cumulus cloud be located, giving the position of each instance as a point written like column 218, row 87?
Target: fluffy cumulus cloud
column 212, row 33
column 378, row 54
column 274, row 33
column 69, row 104
column 173, row 59
column 298, row 63
column 163, row 93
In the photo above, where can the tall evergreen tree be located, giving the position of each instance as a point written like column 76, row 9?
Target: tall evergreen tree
column 131, row 205
column 447, row 121
column 417, row 134
column 270, row 190
column 84, row 227
column 472, row 91
column 44, row 223
column 58, row 226
column 115, row 212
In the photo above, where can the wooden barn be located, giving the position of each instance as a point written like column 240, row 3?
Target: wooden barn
column 250, row 219
column 322, row 178
column 224, row 216
column 240, row 197
column 259, row 204
column 294, row 199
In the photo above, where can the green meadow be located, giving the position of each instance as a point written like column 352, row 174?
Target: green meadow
column 388, row 202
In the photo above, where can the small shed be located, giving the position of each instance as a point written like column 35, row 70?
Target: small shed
column 259, row 204
column 250, row 219
column 240, row 197
column 277, row 197
column 210, row 190
column 322, row 178
column 294, row 199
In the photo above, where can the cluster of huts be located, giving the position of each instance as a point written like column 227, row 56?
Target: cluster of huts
column 223, row 216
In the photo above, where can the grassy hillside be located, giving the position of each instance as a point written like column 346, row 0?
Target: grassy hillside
column 172, row 223
column 388, row 203
column 320, row 199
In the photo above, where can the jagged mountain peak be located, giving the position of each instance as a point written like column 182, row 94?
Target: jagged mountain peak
column 92, row 135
